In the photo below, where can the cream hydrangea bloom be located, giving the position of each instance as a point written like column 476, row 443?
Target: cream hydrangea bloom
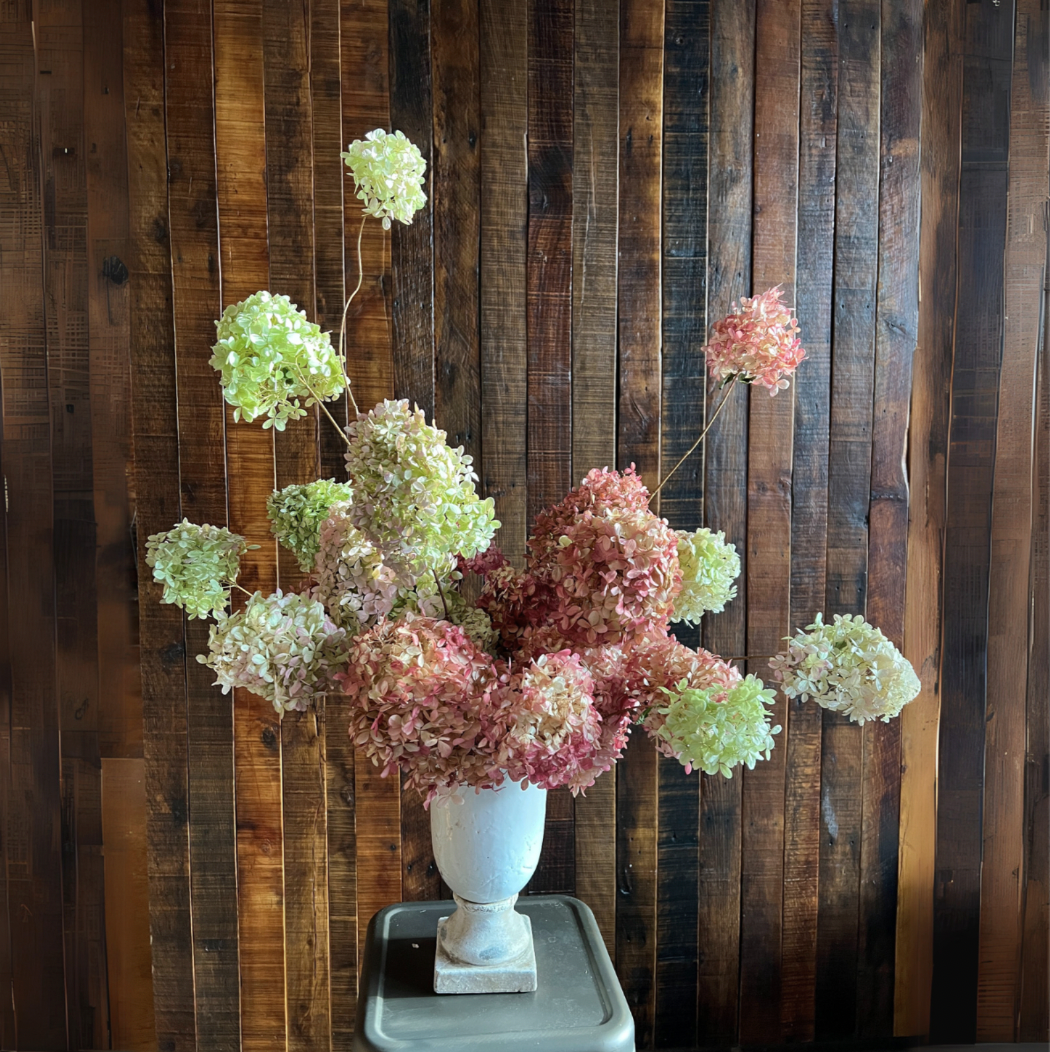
column 388, row 173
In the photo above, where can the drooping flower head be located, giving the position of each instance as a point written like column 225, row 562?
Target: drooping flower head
column 197, row 565
column 709, row 565
column 414, row 495
column 422, row 700
column 296, row 513
column 272, row 361
column 849, row 667
column 282, row 647
column 757, row 343
column 388, row 173
column 553, row 729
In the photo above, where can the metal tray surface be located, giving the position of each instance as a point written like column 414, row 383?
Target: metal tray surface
column 578, row 1007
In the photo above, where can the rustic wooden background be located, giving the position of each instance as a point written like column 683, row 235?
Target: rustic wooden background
column 604, row 179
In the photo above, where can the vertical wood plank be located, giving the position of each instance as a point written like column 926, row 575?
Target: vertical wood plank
column 927, row 455
column 155, row 426
column 129, row 960
column 897, row 310
column 1002, row 871
column 776, row 129
column 328, row 169
column 365, row 72
column 241, row 149
column 964, row 649
column 34, row 863
column 596, row 42
column 365, row 44
column 638, row 441
column 849, row 474
column 192, row 211
column 1034, row 1009
column 503, row 84
column 809, row 502
column 687, row 52
column 412, row 247
column 549, row 327
column 725, row 503
column 58, row 34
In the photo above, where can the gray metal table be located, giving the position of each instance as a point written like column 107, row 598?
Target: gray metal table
column 579, row 1006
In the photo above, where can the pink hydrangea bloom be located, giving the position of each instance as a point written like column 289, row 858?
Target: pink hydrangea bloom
column 422, row 696
column 758, row 343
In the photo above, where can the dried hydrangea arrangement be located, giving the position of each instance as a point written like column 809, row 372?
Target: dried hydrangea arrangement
column 543, row 678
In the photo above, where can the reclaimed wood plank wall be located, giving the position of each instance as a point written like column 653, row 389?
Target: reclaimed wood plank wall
column 604, row 178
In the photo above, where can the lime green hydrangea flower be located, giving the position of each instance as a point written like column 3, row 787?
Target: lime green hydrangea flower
column 388, row 173
column 717, row 735
column 414, row 496
column 709, row 565
column 284, row 648
column 297, row 512
column 849, row 667
column 197, row 565
column 273, row 362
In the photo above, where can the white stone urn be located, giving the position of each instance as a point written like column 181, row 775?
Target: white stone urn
column 486, row 844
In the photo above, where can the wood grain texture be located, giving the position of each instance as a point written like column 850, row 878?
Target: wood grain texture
column 241, row 150
column 34, row 820
column 975, row 376
column 725, row 504
column 818, row 126
column 638, row 442
column 412, row 247
column 192, row 212
column 128, row 956
column 897, row 310
column 927, row 458
column 687, row 51
column 58, row 37
column 1034, row 1009
column 596, row 42
column 328, row 190
column 549, row 283
column 849, row 474
column 1002, row 871
column 155, row 426
column 776, row 129
column 503, row 80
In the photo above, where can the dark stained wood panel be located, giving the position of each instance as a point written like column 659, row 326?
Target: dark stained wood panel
column 725, row 504
column 896, row 333
column 34, row 818
column 596, row 67
column 8, row 1025
column 161, row 632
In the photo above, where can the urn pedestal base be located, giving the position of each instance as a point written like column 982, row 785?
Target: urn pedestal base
column 485, row 948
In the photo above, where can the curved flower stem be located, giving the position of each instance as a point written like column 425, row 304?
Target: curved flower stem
column 324, row 409
column 751, row 657
column 441, row 593
column 714, row 417
column 240, row 589
column 346, row 307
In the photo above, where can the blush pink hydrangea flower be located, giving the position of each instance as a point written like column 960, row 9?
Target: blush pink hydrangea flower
column 553, row 728
column 422, row 701
column 757, row 342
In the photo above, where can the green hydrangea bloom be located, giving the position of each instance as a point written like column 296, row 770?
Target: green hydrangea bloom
column 717, row 736
column 849, row 667
column 273, row 362
column 284, row 648
column 297, row 512
column 196, row 565
column 414, row 496
column 388, row 173
column 710, row 565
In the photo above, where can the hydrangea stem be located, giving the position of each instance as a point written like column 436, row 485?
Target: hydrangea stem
column 324, row 409
column 441, row 592
column 240, row 589
column 692, row 448
column 342, row 324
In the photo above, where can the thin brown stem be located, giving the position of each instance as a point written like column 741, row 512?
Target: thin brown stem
column 692, row 448
column 346, row 307
column 751, row 657
column 324, row 409
column 441, row 592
